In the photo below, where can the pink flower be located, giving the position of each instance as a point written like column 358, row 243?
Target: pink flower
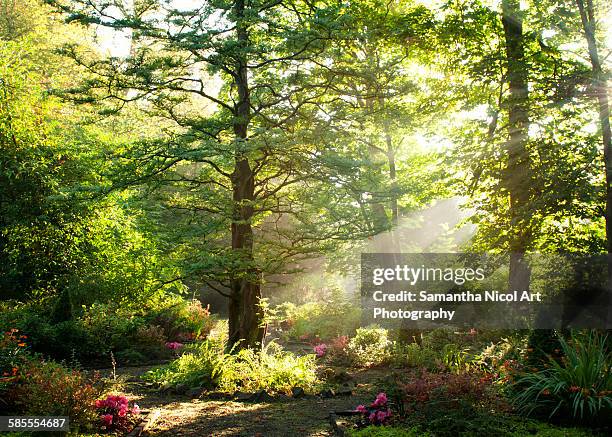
column 122, row 411
column 372, row 417
column 100, row 404
column 361, row 409
column 381, row 400
column 320, row 349
column 174, row 345
column 107, row 419
column 135, row 409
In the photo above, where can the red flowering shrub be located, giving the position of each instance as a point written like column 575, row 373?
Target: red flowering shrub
column 116, row 414
column 449, row 388
column 49, row 389
column 337, row 351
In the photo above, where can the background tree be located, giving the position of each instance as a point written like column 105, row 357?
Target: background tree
column 58, row 242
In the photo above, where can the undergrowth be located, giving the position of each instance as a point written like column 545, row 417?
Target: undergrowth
column 207, row 365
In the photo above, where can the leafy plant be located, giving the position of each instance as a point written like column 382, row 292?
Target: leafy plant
column 207, row 365
column 578, row 385
column 45, row 388
column 387, row 431
column 369, row 346
column 413, row 355
column 323, row 320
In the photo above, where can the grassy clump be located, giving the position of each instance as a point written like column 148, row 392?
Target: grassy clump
column 207, row 365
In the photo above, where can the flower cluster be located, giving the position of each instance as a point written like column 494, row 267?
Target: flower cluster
column 378, row 412
column 174, row 345
column 116, row 413
column 320, row 350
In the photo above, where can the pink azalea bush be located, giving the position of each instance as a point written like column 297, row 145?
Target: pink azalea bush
column 116, row 413
column 320, row 350
column 378, row 413
column 174, row 345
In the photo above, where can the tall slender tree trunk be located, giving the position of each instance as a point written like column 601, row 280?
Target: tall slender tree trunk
column 245, row 314
column 587, row 15
column 517, row 175
column 392, row 176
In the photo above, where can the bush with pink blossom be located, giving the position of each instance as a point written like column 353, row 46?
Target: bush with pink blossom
column 174, row 345
column 320, row 350
column 378, row 413
column 116, row 413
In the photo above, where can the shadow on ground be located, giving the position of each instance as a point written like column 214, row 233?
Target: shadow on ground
column 182, row 416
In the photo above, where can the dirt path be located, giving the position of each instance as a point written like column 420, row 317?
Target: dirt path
column 183, row 416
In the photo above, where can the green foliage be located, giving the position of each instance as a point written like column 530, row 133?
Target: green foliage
column 58, row 236
column 200, row 365
column 369, row 346
column 324, row 320
column 414, row 355
column 579, row 385
column 457, row 359
column 181, row 319
column 506, row 426
column 207, row 365
column 131, row 334
column 387, row 431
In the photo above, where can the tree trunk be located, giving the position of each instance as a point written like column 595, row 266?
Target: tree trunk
column 245, row 314
column 393, row 177
column 517, row 174
column 587, row 15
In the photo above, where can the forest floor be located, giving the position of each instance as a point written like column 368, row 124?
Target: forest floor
column 221, row 415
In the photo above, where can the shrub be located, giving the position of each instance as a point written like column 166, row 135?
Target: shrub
column 447, row 389
column 49, row 389
column 378, row 413
column 413, row 355
column 387, row 431
column 272, row 368
column 182, row 319
column 207, row 365
column 457, row 359
column 200, row 365
column 130, row 334
column 13, row 350
column 116, row 414
column 579, row 385
column 150, row 340
column 13, row 355
column 337, row 351
column 322, row 320
column 369, row 346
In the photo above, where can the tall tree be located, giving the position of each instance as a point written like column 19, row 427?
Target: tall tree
column 237, row 88
column 517, row 176
column 600, row 85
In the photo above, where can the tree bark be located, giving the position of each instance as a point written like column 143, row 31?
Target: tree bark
column 393, row 177
column 245, row 313
column 587, row 16
column 517, row 174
